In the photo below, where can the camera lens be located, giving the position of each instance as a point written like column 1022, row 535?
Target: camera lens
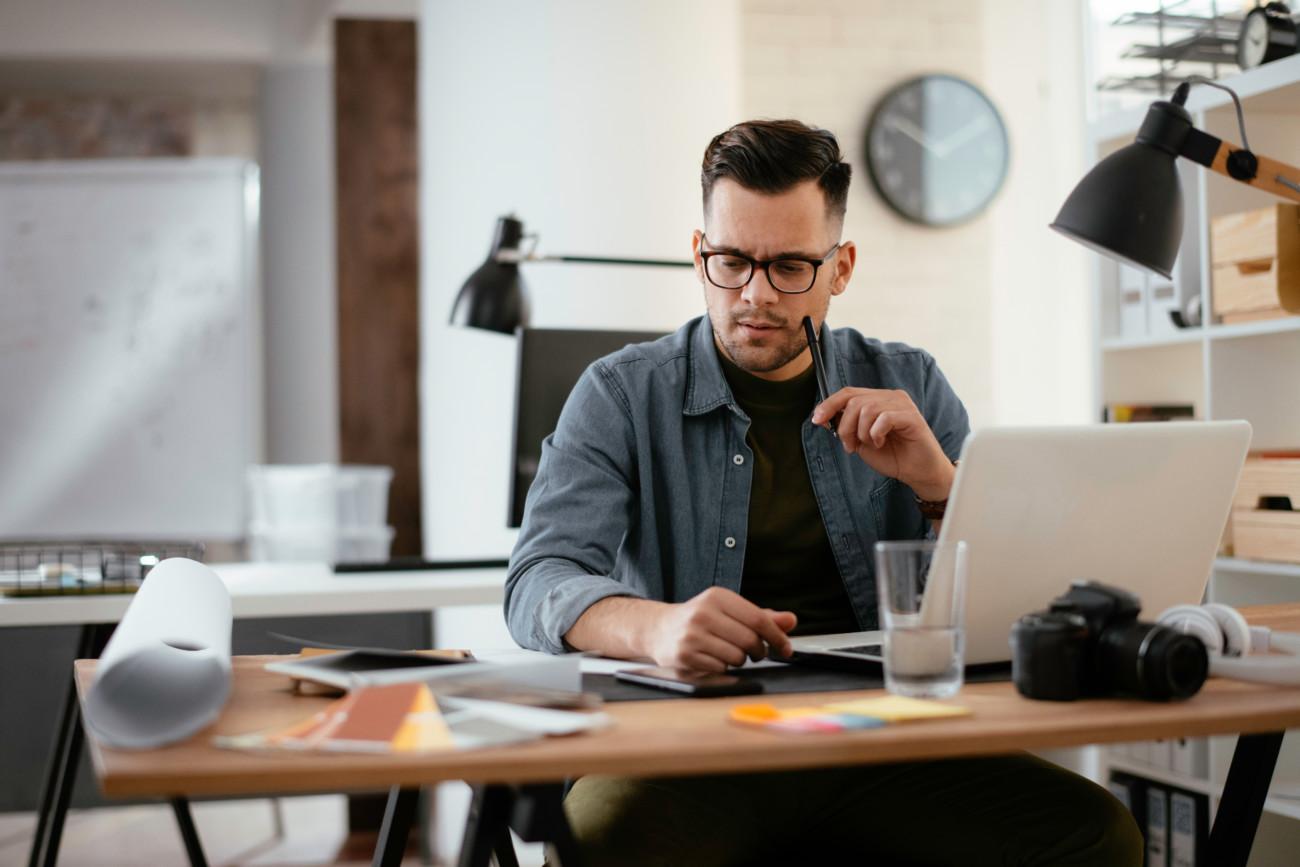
column 1151, row 661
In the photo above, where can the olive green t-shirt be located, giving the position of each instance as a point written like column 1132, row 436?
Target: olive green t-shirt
column 789, row 565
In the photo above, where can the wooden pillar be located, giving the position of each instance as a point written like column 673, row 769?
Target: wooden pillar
column 377, row 165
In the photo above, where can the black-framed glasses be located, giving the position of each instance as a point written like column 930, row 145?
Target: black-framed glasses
column 790, row 275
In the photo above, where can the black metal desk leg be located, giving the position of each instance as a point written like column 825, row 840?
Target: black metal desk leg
column 189, row 834
column 1233, row 832
column 58, row 751
column 398, row 816
column 504, row 849
column 488, row 827
column 539, row 818
column 63, row 791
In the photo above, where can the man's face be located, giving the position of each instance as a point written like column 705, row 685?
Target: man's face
column 759, row 328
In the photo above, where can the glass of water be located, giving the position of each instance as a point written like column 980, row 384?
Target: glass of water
column 922, row 586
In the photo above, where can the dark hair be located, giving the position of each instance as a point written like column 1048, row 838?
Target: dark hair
column 771, row 156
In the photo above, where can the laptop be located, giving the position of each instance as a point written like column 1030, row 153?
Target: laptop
column 1138, row 506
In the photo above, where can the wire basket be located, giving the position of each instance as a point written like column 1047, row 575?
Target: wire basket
column 79, row 568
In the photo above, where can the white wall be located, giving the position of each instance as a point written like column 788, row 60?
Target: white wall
column 588, row 119
column 1041, row 308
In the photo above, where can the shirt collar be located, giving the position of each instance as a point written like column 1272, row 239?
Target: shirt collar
column 707, row 388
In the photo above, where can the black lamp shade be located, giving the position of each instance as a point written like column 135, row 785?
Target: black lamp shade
column 1129, row 207
column 493, row 297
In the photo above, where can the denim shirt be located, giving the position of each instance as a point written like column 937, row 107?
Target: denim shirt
column 643, row 488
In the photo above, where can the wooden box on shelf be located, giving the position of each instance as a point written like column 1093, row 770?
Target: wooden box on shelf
column 1256, row 262
column 1262, row 528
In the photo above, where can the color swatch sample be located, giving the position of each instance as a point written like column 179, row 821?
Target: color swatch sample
column 866, row 713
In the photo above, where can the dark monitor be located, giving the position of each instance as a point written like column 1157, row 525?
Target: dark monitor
column 550, row 362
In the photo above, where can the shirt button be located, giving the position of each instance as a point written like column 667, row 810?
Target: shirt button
column 738, row 460
column 730, row 541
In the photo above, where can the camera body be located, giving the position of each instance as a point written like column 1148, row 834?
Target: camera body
column 1089, row 642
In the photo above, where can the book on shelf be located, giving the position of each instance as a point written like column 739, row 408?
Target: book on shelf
column 1188, row 828
column 1120, row 413
column 1157, row 827
column 1173, row 821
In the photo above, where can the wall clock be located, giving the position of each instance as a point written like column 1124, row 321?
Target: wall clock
column 1267, row 34
column 937, row 150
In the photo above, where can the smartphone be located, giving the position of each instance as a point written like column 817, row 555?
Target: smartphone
column 696, row 683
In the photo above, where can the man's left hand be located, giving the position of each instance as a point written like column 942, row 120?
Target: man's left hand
column 887, row 431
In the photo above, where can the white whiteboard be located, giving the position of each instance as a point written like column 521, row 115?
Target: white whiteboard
column 130, row 397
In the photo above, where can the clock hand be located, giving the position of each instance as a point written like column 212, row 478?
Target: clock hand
column 912, row 131
column 955, row 140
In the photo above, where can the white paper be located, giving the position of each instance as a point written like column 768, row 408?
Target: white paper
column 165, row 673
column 540, row 671
column 537, row 720
column 607, row 665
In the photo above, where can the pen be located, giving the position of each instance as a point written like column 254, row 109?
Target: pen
column 819, row 370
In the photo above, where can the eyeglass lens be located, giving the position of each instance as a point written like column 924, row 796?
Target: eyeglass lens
column 786, row 275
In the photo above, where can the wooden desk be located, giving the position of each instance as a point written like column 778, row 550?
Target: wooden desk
column 256, row 590
column 694, row 736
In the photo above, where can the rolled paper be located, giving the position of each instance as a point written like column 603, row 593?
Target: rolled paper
column 165, row 673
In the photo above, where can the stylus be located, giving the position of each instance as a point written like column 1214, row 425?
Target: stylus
column 819, row 370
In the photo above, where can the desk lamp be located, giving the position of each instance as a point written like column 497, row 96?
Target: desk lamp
column 1130, row 206
column 494, row 296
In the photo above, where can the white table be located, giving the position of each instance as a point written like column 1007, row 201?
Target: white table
column 256, row 590
column 287, row 589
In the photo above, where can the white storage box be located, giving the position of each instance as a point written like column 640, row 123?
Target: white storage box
column 1132, row 288
column 319, row 495
column 363, row 495
column 320, row 544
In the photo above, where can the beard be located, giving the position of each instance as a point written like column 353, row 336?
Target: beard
column 772, row 351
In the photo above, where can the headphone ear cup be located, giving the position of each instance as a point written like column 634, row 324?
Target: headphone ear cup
column 1192, row 620
column 1236, row 632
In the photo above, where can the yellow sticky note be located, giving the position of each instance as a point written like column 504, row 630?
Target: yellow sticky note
column 897, row 708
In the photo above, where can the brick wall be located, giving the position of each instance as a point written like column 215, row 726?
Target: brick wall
column 827, row 62
column 101, row 109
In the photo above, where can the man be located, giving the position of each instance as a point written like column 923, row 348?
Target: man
column 690, row 508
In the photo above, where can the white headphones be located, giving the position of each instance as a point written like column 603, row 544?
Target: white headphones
column 1230, row 639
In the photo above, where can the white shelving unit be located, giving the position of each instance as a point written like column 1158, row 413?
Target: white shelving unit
column 1246, row 370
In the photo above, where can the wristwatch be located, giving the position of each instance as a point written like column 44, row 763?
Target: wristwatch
column 933, row 509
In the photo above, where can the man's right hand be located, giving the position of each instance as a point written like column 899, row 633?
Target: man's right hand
column 715, row 630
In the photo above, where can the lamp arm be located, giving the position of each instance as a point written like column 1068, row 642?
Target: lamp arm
column 601, row 260
column 1231, row 161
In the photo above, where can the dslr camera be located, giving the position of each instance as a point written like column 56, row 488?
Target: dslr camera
column 1090, row 643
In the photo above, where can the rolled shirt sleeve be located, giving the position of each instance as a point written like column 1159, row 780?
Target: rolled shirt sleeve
column 943, row 410
column 578, row 515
